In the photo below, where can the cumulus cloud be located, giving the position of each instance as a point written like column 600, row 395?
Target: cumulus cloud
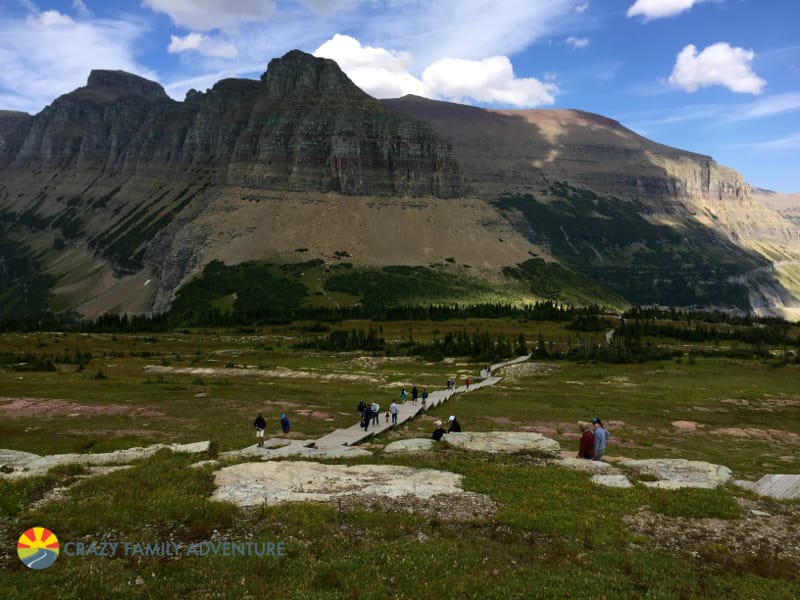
column 48, row 54
column 379, row 72
column 658, row 9
column 490, row 80
column 202, row 44
column 719, row 64
column 385, row 74
column 577, row 42
column 204, row 15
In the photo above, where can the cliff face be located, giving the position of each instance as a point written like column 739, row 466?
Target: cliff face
column 122, row 194
column 304, row 127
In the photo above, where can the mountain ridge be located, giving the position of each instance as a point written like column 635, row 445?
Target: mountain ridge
column 124, row 194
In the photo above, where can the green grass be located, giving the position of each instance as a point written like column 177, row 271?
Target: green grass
column 554, row 535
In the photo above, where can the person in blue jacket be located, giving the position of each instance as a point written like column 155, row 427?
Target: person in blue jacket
column 285, row 424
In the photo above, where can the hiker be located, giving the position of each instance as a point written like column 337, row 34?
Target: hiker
column 387, row 417
column 393, row 408
column 285, row 424
column 366, row 416
column 424, row 398
column 467, row 384
column 260, row 424
column 600, row 438
column 438, row 430
column 586, row 447
column 361, row 407
column 376, row 413
column 455, row 426
column 414, row 395
column 403, row 395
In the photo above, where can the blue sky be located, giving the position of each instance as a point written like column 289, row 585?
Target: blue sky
column 718, row 77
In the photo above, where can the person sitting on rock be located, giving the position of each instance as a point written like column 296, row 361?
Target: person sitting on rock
column 438, row 431
column 586, row 447
column 455, row 426
column 600, row 438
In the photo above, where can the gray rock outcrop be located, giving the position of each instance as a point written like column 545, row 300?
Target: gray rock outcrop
column 503, row 441
column 675, row 473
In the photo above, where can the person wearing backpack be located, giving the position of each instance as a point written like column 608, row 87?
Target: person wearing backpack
column 376, row 413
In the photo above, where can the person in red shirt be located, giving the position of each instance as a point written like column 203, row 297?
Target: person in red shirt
column 586, row 448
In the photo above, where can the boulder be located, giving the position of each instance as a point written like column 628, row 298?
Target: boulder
column 411, row 446
column 277, row 482
column 675, row 473
column 617, row 481
column 503, row 441
column 581, row 464
column 782, row 487
column 31, row 465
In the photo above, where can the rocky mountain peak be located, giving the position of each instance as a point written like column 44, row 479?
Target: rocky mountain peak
column 297, row 73
column 124, row 83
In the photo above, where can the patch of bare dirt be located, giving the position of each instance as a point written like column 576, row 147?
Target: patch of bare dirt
column 52, row 407
column 686, row 426
column 276, row 373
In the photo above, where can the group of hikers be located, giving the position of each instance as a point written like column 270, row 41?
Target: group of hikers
column 438, row 431
column 371, row 413
column 260, row 424
column 594, row 436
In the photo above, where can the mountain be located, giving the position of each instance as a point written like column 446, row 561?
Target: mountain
column 115, row 197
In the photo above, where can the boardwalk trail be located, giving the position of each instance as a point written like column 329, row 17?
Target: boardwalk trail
column 354, row 434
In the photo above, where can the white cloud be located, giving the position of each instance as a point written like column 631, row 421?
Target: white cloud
column 81, row 8
column 719, row 64
column 385, row 74
column 769, row 106
column 48, row 54
column 470, row 29
column 212, row 14
column 201, row 44
column 577, row 42
column 490, row 80
column 379, row 72
column 789, row 142
column 658, row 9
column 329, row 7
column 581, row 8
column 50, row 19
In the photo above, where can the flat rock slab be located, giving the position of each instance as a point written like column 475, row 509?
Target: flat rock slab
column 382, row 486
column 676, row 473
column 410, row 446
column 617, row 481
column 318, row 453
column 782, row 487
column 503, row 441
column 39, row 465
column 583, row 464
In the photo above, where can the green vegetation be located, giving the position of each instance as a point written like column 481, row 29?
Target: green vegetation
column 555, row 534
column 611, row 241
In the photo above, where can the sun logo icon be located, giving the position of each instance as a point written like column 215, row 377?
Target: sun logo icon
column 38, row 548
